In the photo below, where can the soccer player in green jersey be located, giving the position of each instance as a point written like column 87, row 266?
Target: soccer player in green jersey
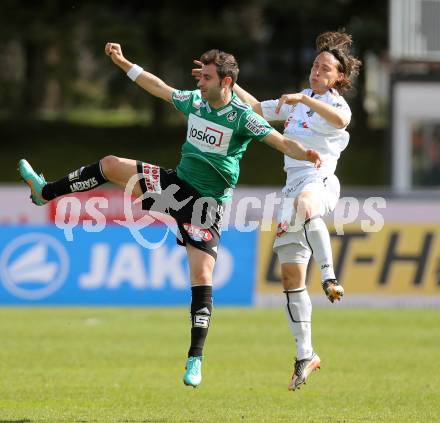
column 219, row 129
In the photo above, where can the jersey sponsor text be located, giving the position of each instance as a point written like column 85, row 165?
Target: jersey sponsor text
column 255, row 125
column 196, row 233
column 208, row 136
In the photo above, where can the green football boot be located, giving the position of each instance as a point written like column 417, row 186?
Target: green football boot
column 33, row 180
column 193, row 374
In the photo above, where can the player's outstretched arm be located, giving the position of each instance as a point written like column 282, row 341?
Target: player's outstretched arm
column 248, row 98
column 149, row 82
column 336, row 117
column 292, row 148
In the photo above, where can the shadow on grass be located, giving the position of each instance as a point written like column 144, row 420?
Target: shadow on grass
column 16, row 421
column 119, row 421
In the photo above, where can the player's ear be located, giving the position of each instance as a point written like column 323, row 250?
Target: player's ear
column 227, row 82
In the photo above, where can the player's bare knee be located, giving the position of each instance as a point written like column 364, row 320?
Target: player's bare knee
column 202, row 276
column 202, row 279
column 109, row 166
column 292, row 281
column 293, row 275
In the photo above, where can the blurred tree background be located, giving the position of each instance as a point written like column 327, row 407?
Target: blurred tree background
column 63, row 103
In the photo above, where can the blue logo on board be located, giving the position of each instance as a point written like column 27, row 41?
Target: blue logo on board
column 33, row 266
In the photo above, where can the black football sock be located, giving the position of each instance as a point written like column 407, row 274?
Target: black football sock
column 201, row 309
column 82, row 179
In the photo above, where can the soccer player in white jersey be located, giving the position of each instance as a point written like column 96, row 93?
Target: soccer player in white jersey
column 317, row 117
column 220, row 127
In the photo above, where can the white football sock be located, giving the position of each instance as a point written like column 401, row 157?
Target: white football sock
column 299, row 316
column 318, row 237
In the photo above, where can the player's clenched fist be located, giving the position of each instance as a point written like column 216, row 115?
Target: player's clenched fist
column 115, row 52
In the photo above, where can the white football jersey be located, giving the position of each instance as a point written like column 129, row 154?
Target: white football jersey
column 312, row 131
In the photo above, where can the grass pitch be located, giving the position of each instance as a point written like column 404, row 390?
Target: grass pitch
column 126, row 365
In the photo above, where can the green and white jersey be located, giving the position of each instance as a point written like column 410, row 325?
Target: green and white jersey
column 215, row 142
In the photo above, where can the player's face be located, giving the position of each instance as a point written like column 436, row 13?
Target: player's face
column 209, row 83
column 324, row 73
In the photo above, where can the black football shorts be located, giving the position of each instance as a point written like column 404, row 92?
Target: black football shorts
column 198, row 218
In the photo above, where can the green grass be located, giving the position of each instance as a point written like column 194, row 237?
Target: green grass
column 125, row 365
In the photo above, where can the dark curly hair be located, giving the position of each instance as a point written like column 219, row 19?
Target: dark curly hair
column 338, row 44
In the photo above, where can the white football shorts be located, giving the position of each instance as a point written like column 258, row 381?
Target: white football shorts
column 290, row 243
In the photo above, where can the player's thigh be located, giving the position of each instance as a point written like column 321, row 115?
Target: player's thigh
column 119, row 171
column 319, row 197
column 201, row 265
column 309, row 203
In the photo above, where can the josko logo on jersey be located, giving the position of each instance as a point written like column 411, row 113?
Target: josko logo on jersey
column 208, row 136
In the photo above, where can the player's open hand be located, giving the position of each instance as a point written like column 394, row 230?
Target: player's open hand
column 291, row 99
column 314, row 157
column 115, row 52
column 197, row 72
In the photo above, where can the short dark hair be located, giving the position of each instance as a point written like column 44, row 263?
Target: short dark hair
column 225, row 63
